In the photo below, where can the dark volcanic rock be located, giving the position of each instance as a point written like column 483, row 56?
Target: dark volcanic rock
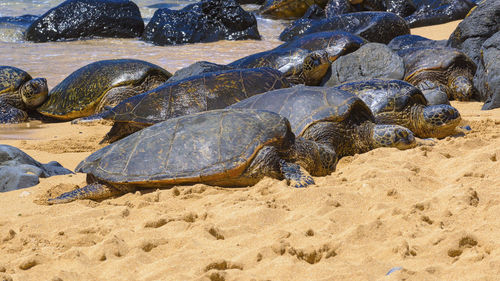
column 487, row 78
column 19, row 170
column 75, row 19
column 378, row 27
column 372, row 60
column 205, row 21
column 481, row 24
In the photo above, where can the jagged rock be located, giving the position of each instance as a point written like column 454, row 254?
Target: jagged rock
column 205, row 21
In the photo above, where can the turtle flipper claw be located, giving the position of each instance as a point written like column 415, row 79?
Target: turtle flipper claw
column 295, row 175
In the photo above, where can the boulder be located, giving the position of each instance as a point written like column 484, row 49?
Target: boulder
column 372, row 60
column 205, row 21
column 75, row 19
column 19, row 170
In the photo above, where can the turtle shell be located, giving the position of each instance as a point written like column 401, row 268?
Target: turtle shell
column 12, row 78
column 385, row 95
column 336, row 43
column 205, row 147
column 208, row 91
column 80, row 93
column 440, row 59
column 306, row 105
column 282, row 59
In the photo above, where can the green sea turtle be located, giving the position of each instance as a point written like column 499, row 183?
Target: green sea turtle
column 331, row 117
column 207, row 91
column 400, row 103
column 220, row 147
column 335, row 43
column 439, row 69
column 96, row 86
column 289, row 9
column 19, row 93
column 298, row 65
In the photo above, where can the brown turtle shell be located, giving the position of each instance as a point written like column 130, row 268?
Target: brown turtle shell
column 211, row 146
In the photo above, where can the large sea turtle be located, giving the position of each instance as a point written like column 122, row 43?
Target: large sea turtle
column 288, row 9
column 96, row 86
column 400, row 103
column 19, row 93
column 219, row 147
column 300, row 66
column 207, row 91
column 437, row 69
column 331, row 117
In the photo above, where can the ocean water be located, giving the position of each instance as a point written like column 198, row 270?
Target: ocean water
column 56, row 60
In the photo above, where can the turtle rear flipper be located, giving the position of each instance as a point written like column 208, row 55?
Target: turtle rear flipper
column 95, row 191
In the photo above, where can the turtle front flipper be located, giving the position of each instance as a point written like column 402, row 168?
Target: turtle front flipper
column 94, row 191
column 295, row 175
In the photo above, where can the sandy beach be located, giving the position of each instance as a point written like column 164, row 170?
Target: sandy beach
column 428, row 213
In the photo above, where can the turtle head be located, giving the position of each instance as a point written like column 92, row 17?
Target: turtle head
column 34, row 92
column 392, row 136
column 314, row 68
column 461, row 88
column 436, row 121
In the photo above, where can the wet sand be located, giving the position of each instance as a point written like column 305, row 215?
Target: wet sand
column 428, row 213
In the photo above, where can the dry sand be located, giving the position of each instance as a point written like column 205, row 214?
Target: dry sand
column 430, row 212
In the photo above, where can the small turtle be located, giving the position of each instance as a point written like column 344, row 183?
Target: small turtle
column 219, row 147
column 19, row 93
column 289, row 9
column 434, row 70
column 331, row 117
column 298, row 65
column 335, row 43
column 400, row 103
column 207, row 91
column 96, row 86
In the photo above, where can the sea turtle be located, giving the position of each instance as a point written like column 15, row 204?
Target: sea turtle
column 101, row 84
column 19, row 93
column 288, row 9
column 400, row 103
column 378, row 27
column 437, row 69
column 412, row 41
column 224, row 147
column 431, row 12
column 207, row 91
column 335, row 43
column 331, row 117
column 300, row 66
